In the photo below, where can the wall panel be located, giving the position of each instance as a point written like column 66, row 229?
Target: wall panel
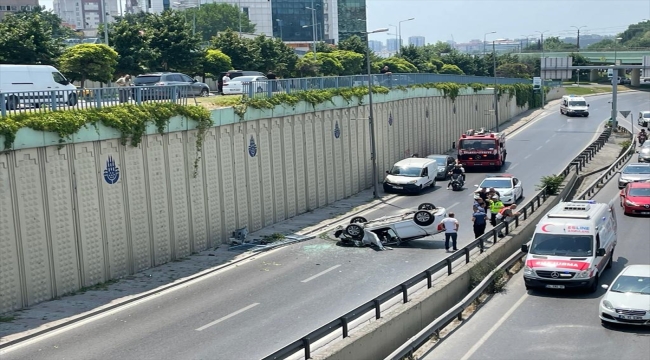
column 299, row 163
column 157, row 176
column 138, row 215
column 197, row 196
column 213, row 186
column 253, row 178
column 319, row 152
column 277, row 162
column 312, row 178
column 328, row 125
column 227, row 180
column 10, row 289
column 289, row 165
column 241, row 176
column 264, row 152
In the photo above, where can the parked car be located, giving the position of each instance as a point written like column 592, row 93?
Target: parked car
column 445, row 165
column 627, row 300
column 633, row 172
column 32, row 85
column 644, row 152
column 149, row 82
column 241, row 84
column 644, row 119
column 635, row 198
column 507, row 185
column 234, row 74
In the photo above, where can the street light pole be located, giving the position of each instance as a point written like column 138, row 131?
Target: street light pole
column 313, row 21
column 485, row 39
column 399, row 32
column 105, row 22
column 371, row 118
column 578, row 38
column 496, row 97
column 541, row 73
column 615, row 88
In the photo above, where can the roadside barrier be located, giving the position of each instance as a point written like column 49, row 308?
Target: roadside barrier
column 341, row 324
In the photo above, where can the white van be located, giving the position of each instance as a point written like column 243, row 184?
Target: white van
column 33, row 85
column 573, row 243
column 411, row 175
column 574, row 105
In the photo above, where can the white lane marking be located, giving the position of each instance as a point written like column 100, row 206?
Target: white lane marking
column 554, row 135
column 538, row 148
column 494, row 328
column 227, row 317
column 513, row 166
column 454, row 204
column 527, row 156
column 548, row 141
column 320, row 273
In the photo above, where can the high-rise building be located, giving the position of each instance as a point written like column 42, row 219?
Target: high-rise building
column 351, row 18
column 10, row 6
column 85, row 14
column 391, row 45
column 416, row 40
column 293, row 20
column 375, row 45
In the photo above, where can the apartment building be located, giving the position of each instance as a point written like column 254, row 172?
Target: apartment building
column 416, row 40
column 10, row 6
column 86, row 14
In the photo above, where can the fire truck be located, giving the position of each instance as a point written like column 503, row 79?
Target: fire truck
column 482, row 148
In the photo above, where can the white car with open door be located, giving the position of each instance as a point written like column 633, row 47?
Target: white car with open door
column 394, row 229
column 627, row 300
column 508, row 186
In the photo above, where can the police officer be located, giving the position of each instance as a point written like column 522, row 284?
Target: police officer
column 495, row 207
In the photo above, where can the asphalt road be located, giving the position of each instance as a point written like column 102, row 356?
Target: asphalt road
column 555, row 324
column 253, row 309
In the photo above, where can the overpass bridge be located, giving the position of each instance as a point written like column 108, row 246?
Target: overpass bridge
column 623, row 57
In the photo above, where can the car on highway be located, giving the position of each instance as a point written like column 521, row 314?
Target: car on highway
column 627, row 300
column 394, row 229
column 644, row 119
column 241, row 84
column 445, row 165
column 635, row 198
column 411, row 175
column 574, row 105
column 633, row 172
column 150, row 85
column 507, row 185
column 644, row 153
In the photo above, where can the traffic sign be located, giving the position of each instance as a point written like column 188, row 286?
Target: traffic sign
column 625, row 113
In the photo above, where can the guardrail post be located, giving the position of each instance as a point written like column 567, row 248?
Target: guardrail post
column 336, row 82
column 429, row 280
column 138, row 95
column 306, row 344
column 481, row 244
column 269, row 87
column 3, row 105
column 516, row 222
column 53, row 100
column 405, row 293
column 532, row 207
column 174, row 96
column 495, row 236
column 344, row 326
column 448, row 266
column 525, row 213
column 466, row 255
column 251, row 91
column 321, row 84
column 377, row 308
column 98, row 98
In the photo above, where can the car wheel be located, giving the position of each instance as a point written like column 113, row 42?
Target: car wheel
column 358, row 220
column 354, row 231
column 259, row 89
column 72, row 99
column 594, row 286
column 12, row 102
column 426, row 206
column 205, row 92
column 423, row 218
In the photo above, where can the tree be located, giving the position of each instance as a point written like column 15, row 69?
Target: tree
column 213, row 18
column 275, row 55
column 27, row 39
column 214, row 63
column 53, row 21
column 307, row 66
column 324, row 47
column 242, row 52
column 636, row 36
column 176, row 47
column 451, row 69
column 95, row 62
column 130, row 36
column 514, row 70
column 351, row 62
column 397, row 65
column 356, row 44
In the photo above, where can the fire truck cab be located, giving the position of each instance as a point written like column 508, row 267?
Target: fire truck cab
column 482, row 148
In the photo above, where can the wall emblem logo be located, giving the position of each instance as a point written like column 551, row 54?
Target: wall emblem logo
column 390, row 119
column 454, row 108
column 337, row 130
column 252, row 147
column 476, row 106
column 112, row 172
column 426, row 113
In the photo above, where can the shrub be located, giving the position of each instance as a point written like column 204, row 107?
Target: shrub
column 551, row 183
column 482, row 270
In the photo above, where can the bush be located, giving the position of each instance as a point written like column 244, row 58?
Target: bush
column 626, row 144
column 551, row 183
column 480, row 271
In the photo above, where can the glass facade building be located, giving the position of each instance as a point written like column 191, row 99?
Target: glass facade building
column 292, row 20
column 352, row 18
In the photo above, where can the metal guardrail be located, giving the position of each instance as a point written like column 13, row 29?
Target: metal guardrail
column 12, row 103
column 342, row 323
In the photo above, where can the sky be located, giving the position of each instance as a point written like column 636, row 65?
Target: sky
column 462, row 21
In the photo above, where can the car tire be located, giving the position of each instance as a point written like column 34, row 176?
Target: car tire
column 426, row 206
column 205, row 92
column 594, row 286
column 354, row 231
column 12, row 102
column 358, row 220
column 423, row 218
column 72, row 99
column 259, row 89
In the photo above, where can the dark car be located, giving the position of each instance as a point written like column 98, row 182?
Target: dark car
column 234, row 74
column 149, row 82
column 445, row 165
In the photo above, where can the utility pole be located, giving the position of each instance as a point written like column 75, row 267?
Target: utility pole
column 542, row 60
column 105, row 11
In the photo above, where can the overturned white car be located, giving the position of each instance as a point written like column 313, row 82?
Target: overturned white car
column 394, row 229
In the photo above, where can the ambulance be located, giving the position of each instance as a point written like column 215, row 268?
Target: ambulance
column 572, row 245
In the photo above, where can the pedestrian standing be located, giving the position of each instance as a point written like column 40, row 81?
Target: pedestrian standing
column 124, row 84
column 495, row 207
column 224, row 80
column 271, row 76
column 479, row 220
column 451, row 225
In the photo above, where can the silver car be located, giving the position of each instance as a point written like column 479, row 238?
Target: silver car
column 633, row 173
column 644, row 119
column 644, row 153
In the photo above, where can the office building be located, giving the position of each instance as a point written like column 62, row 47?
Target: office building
column 391, row 45
column 375, row 45
column 10, row 6
column 416, row 41
column 85, row 14
column 351, row 18
column 293, row 20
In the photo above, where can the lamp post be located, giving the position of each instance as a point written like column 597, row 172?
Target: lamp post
column 615, row 88
column 578, row 38
column 105, row 13
column 371, row 125
column 541, row 73
column 485, row 39
column 494, row 70
column 399, row 31
column 314, row 25
column 182, row 4
column 313, row 21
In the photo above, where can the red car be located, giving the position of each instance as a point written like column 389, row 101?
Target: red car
column 635, row 198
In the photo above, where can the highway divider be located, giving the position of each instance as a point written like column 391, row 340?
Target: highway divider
column 387, row 333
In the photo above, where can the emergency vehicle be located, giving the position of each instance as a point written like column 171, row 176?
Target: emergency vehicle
column 574, row 105
column 482, row 148
column 572, row 245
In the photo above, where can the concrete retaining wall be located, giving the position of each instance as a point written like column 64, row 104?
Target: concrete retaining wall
column 90, row 210
column 382, row 337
